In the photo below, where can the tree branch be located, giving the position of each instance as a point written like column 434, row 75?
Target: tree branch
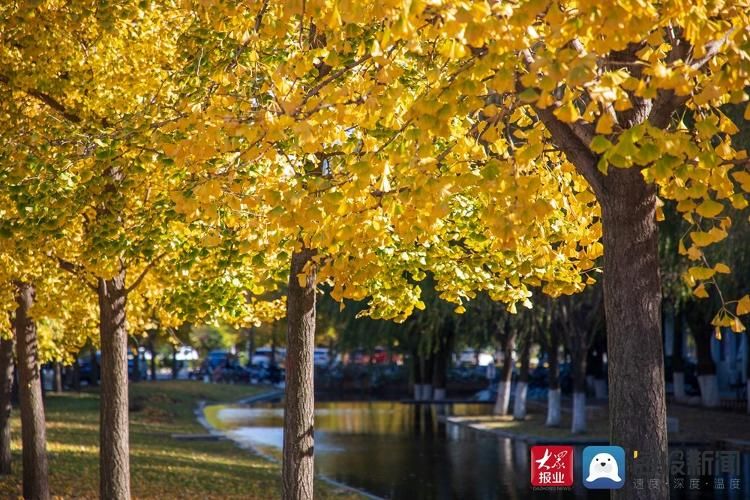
column 143, row 274
column 566, row 139
column 333, row 76
column 75, row 269
column 667, row 101
column 259, row 17
column 48, row 100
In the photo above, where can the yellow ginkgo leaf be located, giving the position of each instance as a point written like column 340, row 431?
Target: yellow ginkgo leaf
column 722, row 268
column 604, row 124
column 710, row 208
column 701, row 273
column 737, row 325
column 743, row 306
column 700, row 292
column 701, row 238
column 694, row 253
column 567, row 113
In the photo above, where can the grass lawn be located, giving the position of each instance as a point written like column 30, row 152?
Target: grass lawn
column 161, row 467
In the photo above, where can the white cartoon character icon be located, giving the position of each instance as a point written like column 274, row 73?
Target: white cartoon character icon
column 603, row 465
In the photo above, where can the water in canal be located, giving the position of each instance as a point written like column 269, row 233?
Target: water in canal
column 396, row 450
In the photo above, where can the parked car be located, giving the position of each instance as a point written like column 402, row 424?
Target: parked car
column 472, row 357
column 362, row 357
column 223, row 366
column 91, row 373
column 216, row 358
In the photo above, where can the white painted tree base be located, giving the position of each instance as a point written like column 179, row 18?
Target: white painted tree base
column 503, row 398
column 578, row 425
column 438, row 394
column 519, row 404
column 709, row 385
column 553, row 408
column 678, row 386
column 426, row 392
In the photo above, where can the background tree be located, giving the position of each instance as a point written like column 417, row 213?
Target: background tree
column 581, row 319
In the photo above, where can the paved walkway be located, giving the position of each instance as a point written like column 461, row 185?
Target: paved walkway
column 716, row 428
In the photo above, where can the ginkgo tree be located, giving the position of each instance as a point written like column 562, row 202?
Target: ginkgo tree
column 393, row 104
column 86, row 84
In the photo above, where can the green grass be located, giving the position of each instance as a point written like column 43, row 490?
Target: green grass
column 161, row 467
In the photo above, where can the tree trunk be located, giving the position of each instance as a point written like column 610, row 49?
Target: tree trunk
column 114, row 460
column 440, row 372
column 33, row 433
column 578, row 422
column 427, row 366
column 95, row 368
column 597, row 369
column 417, row 373
column 153, row 358
column 297, row 468
column 554, row 393
column 707, row 380
column 77, row 375
column 58, row 377
column 273, row 347
column 137, row 365
column 519, row 403
column 443, row 359
column 250, row 345
column 678, row 363
column 6, row 386
column 506, row 376
column 632, row 297
column 174, row 362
